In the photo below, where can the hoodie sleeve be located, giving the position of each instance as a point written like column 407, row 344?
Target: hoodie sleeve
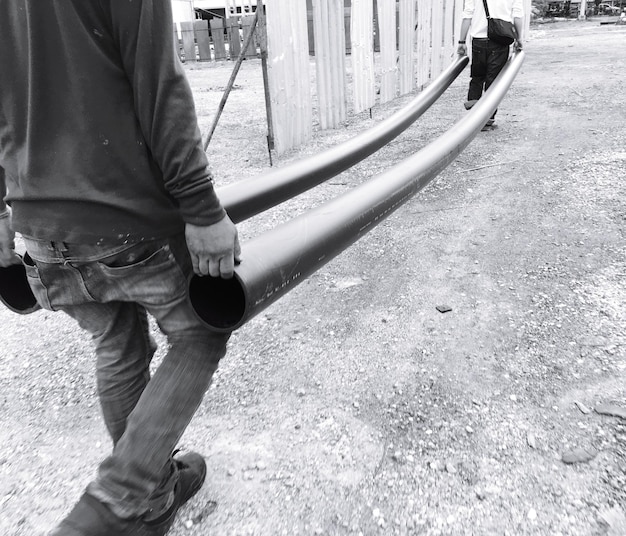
column 143, row 31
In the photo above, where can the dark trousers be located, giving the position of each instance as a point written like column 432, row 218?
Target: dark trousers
column 488, row 59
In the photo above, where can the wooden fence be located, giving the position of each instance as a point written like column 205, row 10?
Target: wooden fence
column 220, row 40
column 392, row 47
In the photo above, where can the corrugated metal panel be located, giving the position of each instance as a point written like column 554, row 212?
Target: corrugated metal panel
column 362, row 38
column 288, row 73
column 388, row 46
column 329, row 32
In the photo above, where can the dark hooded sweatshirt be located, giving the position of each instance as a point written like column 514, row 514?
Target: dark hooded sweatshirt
column 98, row 134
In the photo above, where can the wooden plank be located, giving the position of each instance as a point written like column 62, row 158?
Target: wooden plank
column 234, row 39
column 189, row 41
column 201, row 31
column 246, row 24
column 217, row 34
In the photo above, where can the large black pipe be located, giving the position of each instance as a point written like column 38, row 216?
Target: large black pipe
column 249, row 197
column 276, row 261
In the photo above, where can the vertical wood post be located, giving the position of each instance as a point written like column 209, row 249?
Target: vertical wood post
column 234, row 42
column 201, row 31
column 217, row 33
column 262, row 37
column 189, row 40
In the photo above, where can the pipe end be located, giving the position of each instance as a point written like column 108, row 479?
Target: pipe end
column 15, row 292
column 219, row 303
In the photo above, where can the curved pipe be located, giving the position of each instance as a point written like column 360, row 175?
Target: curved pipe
column 276, row 261
column 249, row 197
column 15, row 292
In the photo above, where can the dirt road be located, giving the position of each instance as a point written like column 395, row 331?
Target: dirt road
column 353, row 406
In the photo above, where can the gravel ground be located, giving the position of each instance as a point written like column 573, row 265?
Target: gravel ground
column 352, row 405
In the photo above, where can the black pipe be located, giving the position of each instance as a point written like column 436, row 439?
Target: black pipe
column 252, row 196
column 276, row 261
column 249, row 197
column 15, row 292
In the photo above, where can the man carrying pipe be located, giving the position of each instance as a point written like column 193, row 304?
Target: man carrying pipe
column 488, row 55
column 103, row 167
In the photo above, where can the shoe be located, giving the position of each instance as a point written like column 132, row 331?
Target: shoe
column 488, row 125
column 90, row 517
column 470, row 104
column 191, row 475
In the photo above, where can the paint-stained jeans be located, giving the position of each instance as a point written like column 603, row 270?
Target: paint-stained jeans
column 109, row 290
column 488, row 59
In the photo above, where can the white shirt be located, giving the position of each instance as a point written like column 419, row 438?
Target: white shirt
column 498, row 9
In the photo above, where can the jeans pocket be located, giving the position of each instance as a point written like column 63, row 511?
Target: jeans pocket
column 39, row 289
column 148, row 273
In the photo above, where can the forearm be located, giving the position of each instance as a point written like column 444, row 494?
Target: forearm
column 519, row 28
column 465, row 26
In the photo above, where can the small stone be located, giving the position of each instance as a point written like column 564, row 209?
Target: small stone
column 579, row 455
column 435, row 465
column 301, row 392
column 469, row 429
column 612, row 410
column 443, row 308
column 450, row 468
column 188, row 524
column 532, row 514
column 530, row 439
column 513, row 398
column 261, row 465
column 583, row 409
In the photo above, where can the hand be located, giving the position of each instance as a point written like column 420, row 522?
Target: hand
column 518, row 45
column 214, row 249
column 462, row 50
column 7, row 244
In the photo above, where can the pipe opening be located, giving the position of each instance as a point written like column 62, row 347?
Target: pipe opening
column 15, row 292
column 219, row 303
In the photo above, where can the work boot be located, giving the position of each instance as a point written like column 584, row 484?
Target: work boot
column 90, row 517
